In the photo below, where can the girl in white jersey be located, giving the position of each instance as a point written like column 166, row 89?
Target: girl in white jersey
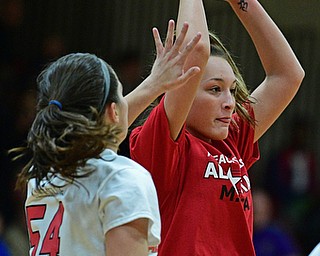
column 83, row 198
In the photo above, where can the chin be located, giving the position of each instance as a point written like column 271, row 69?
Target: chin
column 221, row 135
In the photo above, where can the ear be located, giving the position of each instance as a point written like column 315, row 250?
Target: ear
column 112, row 113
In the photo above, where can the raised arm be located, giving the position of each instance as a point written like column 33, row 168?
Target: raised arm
column 284, row 73
column 167, row 71
column 178, row 101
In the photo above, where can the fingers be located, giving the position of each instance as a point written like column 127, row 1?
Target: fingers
column 169, row 38
column 168, row 68
column 179, row 41
column 172, row 47
column 181, row 57
column 191, row 45
column 157, row 41
column 170, row 34
column 187, row 75
column 182, row 79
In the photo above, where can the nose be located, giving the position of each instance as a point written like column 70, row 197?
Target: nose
column 229, row 101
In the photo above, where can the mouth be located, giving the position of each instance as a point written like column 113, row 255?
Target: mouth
column 224, row 120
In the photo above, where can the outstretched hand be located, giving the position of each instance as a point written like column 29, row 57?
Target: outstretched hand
column 167, row 72
column 168, row 68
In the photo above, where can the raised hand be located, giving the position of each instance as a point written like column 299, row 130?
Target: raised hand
column 167, row 72
column 168, row 68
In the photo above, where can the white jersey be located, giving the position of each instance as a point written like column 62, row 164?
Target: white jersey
column 73, row 219
column 315, row 251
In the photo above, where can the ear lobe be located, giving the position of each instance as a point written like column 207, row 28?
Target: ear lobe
column 113, row 113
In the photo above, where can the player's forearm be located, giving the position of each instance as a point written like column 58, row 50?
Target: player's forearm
column 141, row 97
column 192, row 11
column 275, row 53
column 178, row 102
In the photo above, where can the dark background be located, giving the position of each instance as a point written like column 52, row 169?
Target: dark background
column 33, row 32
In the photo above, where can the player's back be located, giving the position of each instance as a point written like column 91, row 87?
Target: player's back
column 71, row 219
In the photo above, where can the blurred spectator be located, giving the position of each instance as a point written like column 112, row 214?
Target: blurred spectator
column 294, row 169
column 12, row 202
column 13, row 63
column 4, row 248
column 27, row 110
column 15, row 234
column 13, row 73
column 269, row 237
column 11, row 20
column 16, row 108
column 308, row 227
column 294, row 179
column 53, row 46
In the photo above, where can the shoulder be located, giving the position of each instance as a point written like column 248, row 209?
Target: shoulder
column 111, row 163
column 116, row 167
column 156, row 116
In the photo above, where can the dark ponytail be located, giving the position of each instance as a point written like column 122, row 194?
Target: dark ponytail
column 71, row 129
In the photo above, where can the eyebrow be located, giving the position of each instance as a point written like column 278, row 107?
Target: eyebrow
column 220, row 79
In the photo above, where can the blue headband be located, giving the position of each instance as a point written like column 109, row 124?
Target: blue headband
column 106, row 75
column 55, row 102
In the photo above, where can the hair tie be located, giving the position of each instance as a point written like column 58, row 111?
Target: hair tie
column 55, row 102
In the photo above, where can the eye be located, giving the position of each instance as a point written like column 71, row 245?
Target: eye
column 215, row 89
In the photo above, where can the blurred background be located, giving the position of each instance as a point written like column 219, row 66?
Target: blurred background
column 34, row 32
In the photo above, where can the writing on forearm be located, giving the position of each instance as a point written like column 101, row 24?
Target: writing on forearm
column 243, row 5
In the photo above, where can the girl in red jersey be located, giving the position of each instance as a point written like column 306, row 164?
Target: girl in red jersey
column 200, row 141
